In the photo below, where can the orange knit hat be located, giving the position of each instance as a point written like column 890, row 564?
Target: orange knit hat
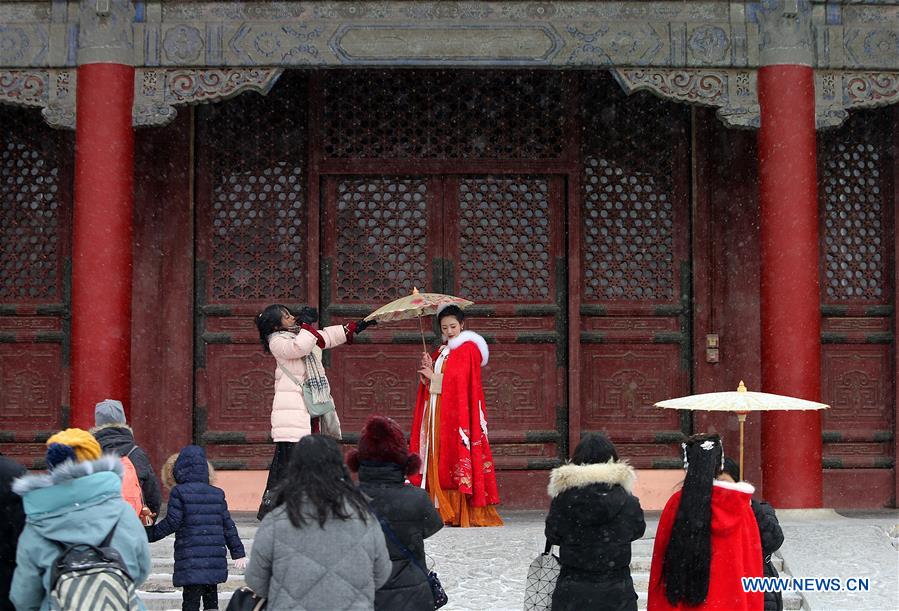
column 82, row 443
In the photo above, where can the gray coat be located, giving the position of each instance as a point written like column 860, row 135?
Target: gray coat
column 337, row 567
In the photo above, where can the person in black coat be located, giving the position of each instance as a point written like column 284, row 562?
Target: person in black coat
column 116, row 437
column 383, row 461
column 594, row 518
column 12, row 521
column 769, row 531
column 198, row 515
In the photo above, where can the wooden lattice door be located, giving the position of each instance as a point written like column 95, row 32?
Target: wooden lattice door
column 497, row 240
column 253, row 247
column 35, row 221
column 634, row 279
column 856, row 194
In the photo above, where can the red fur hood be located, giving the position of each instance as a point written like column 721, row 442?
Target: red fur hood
column 727, row 498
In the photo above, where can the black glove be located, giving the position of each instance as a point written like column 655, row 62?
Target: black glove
column 306, row 315
column 362, row 325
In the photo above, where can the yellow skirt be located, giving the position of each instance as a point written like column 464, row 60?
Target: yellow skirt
column 454, row 507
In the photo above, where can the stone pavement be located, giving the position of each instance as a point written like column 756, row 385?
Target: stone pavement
column 485, row 568
column 824, row 544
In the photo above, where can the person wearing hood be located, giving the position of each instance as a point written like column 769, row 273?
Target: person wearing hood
column 593, row 518
column 383, row 462
column 772, row 536
column 78, row 501
column 198, row 515
column 116, row 437
column 449, row 427
column 12, row 521
column 707, row 539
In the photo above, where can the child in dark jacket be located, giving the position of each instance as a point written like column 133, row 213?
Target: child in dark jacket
column 198, row 515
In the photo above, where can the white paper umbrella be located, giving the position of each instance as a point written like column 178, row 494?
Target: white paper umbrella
column 740, row 401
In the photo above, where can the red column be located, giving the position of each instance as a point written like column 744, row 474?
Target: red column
column 790, row 297
column 101, row 239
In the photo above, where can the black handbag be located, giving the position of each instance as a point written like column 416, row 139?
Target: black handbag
column 244, row 599
column 437, row 591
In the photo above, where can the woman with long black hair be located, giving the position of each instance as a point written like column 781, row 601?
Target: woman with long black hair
column 320, row 548
column 297, row 347
column 707, row 539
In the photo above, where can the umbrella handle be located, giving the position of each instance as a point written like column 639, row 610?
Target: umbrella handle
column 422, row 332
column 741, row 416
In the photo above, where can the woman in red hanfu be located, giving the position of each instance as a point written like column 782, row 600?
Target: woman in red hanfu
column 707, row 539
column 449, row 428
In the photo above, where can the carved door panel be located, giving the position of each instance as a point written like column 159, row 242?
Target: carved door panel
column 497, row 240
column 634, row 277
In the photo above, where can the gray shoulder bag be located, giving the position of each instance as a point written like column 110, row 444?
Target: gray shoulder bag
column 314, row 409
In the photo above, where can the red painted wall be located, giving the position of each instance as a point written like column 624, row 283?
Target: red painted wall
column 162, row 307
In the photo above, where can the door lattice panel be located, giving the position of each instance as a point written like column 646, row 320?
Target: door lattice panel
column 258, row 233
column 253, row 245
column 505, row 239
column 628, row 235
column 853, row 197
column 30, row 213
column 629, row 212
column 35, row 226
column 443, row 115
column 857, row 356
column 256, row 224
column 382, row 238
column 635, row 216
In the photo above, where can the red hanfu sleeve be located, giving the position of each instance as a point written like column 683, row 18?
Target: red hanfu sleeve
column 415, row 435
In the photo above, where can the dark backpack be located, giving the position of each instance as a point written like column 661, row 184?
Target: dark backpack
column 85, row 576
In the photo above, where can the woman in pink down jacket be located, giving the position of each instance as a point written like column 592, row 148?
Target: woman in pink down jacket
column 297, row 347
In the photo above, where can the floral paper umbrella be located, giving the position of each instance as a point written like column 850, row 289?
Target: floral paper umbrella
column 740, row 401
column 416, row 305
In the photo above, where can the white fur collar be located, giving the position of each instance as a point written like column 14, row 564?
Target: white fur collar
column 745, row 487
column 576, row 476
column 68, row 471
column 471, row 336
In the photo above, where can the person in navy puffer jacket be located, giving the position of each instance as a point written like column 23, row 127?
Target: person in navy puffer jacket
column 198, row 515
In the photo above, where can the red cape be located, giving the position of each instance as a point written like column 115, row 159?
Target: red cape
column 736, row 553
column 465, row 463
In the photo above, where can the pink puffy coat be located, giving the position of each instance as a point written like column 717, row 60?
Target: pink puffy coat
column 290, row 420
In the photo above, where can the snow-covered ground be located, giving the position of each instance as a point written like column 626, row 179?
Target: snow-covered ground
column 485, row 568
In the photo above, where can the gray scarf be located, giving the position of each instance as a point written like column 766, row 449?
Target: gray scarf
column 316, row 378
